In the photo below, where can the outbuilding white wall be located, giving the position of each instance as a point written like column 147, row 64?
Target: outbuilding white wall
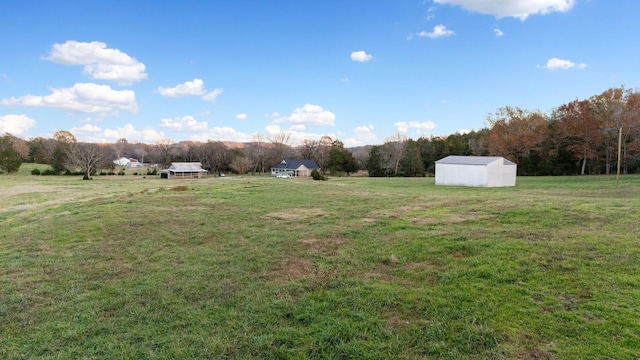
column 461, row 175
column 501, row 175
column 475, row 171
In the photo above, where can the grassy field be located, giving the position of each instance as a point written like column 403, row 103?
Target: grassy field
column 128, row 267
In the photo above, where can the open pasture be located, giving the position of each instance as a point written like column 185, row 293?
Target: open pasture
column 370, row 268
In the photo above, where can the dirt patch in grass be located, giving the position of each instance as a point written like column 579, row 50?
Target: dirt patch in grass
column 536, row 354
column 295, row 214
column 29, row 189
column 376, row 215
column 293, row 268
column 395, row 323
column 323, row 246
column 451, row 219
column 380, row 273
column 420, row 266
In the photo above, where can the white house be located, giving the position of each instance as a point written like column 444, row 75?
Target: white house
column 127, row 162
column 487, row 171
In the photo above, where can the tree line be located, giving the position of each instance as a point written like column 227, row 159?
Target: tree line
column 66, row 155
column 579, row 137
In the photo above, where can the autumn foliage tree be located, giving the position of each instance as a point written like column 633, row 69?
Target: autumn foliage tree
column 514, row 133
column 578, row 130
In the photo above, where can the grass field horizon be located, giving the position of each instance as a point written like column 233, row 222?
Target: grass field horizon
column 375, row 268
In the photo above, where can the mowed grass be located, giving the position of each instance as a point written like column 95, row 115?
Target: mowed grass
column 365, row 268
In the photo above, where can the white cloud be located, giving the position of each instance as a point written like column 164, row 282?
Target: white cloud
column 99, row 61
column 420, row 127
column 438, row 31
column 520, row 9
column 362, row 135
column 190, row 88
column 241, row 116
column 185, row 123
column 555, row 64
column 81, row 98
column 93, row 133
column 299, row 127
column 86, row 129
column 310, row 115
column 223, row 133
column 272, row 129
column 4, row 76
column 212, row 95
column 498, row 32
column 296, row 132
column 361, row 56
column 15, row 124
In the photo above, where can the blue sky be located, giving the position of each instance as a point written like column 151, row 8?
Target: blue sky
column 358, row 71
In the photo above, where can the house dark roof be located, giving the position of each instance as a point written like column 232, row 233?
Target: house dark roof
column 290, row 164
column 473, row 160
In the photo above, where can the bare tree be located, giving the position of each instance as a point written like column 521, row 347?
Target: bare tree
column 215, row 156
column 394, row 146
column 164, row 148
column 309, row 149
column 140, row 151
column 120, row 147
column 240, row 165
column 88, row 157
column 257, row 152
column 322, row 155
column 280, row 146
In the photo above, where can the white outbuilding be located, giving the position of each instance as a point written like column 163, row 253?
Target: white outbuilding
column 486, row 171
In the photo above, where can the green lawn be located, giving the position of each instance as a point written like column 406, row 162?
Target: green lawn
column 129, row 267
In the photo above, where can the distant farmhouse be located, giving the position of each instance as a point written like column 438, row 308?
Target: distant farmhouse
column 183, row 170
column 295, row 167
column 486, row 171
column 127, row 162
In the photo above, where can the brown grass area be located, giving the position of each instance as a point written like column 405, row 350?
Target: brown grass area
column 295, row 214
column 376, row 215
column 536, row 354
column 420, row 266
column 323, row 246
column 451, row 218
column 397, row 323
column 34, row 188
column 294, row 268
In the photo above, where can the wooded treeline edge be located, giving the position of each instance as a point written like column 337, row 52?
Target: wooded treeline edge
column 579, row 137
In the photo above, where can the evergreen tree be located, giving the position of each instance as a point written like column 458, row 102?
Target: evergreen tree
column 341, row 160
column 10, row 159
column 375, row 163
column 411, row 163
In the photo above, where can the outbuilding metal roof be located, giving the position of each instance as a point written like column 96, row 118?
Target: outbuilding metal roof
column 186, row 167
column 473, row 160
